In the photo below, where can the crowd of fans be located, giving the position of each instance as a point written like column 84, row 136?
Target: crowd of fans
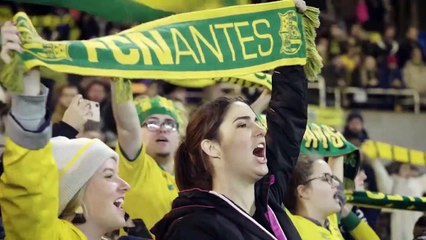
column 360, row 42
column 360, row 47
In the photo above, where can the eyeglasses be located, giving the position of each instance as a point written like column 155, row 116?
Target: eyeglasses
column 327, row 177
column 154, row 126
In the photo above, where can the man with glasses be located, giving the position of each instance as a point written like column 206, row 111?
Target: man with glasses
column 148, row 137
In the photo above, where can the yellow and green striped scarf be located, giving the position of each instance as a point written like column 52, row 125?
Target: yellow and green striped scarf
column 211, row 44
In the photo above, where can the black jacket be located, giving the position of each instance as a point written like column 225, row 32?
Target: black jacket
column 132, row 238
column 202, row 215
column 63, row 129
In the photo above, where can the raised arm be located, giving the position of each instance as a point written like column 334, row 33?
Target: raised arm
column 384, row 181
column 422, row 181
column 73, row 120
column 126, row 117
column 262, row 102
column 359, row 229
column 336, row 165
column 29, row 183
column 286, row 118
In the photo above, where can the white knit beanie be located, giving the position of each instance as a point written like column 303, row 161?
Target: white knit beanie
column 77, row 161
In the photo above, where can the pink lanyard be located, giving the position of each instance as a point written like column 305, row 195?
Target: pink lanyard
column 275, row 225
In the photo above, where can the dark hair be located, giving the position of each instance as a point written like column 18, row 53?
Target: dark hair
column 59, row 91
column 301, row 173
column 54, row 104
column 93, row 83
column 395, row 167
column 168, row 88
column 354, row 115
column 421, row 222
column 192, row 166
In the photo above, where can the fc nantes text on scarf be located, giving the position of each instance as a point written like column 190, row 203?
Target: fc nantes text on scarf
column 236, row 41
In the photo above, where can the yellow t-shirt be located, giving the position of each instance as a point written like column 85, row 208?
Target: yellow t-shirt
column 308, row 230
column 152, row 188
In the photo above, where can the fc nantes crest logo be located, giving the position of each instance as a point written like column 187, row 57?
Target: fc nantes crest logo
column 49, row 51
column 40, row 48
column 289, row 32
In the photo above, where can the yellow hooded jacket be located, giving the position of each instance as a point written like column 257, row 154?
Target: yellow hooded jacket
column 29, row 197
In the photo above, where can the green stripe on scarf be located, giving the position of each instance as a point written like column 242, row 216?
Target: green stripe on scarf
column 381, row 200
column 201, row 45
column 127, row 11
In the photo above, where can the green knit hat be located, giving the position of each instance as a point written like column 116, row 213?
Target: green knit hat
column 157, row 105
column 325, row 141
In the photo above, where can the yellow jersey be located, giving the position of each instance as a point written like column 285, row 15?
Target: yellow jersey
column 308, row 230
column 152, row 188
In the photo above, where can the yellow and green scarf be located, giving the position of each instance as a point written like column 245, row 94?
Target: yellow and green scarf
column 218, row 43
column 386, row 151
column 129, row 11
column 257, row 80
column 381, row 200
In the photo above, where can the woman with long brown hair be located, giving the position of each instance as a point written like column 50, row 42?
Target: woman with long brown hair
column 232, row 173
